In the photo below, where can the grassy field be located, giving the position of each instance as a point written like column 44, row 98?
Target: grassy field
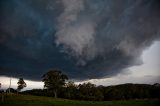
column 28, row 100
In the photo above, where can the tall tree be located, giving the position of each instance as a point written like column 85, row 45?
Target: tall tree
column 21, row 84
column 54, row 80
column 71, row 90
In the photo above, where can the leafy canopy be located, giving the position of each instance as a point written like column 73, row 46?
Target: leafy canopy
column 54, row 79
column 21, row 84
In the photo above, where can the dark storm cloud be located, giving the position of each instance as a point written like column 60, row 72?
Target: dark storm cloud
column 85, row 38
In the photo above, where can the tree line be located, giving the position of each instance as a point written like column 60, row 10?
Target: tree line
column 56, row 85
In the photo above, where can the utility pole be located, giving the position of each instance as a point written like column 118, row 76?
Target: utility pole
column 2, row 98
column 10, row 85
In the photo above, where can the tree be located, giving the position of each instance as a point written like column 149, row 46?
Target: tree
column 21, row 84
column 54, row 80
column 70, row 90
column 89, row 91
column 11, row 90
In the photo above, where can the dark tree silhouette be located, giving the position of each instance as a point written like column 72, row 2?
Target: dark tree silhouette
column 11, row 90
column 70, row 90
column 54, row 80
column 21, row 84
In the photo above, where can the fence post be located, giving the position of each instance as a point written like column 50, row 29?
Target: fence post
column 2, row 97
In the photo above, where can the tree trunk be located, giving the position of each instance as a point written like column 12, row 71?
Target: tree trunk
column 55, row 94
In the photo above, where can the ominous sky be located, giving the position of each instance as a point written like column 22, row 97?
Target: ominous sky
column 87, row 39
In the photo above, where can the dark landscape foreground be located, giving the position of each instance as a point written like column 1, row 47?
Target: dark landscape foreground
column 28, row 100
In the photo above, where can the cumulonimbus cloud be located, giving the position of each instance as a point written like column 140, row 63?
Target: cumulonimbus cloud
column 92, row 37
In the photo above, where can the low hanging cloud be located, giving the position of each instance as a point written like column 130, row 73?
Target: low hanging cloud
column 108, row 36
column 86, row 38
column 127, row 27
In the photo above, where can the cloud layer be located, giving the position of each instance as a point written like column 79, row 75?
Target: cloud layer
column 86, row 38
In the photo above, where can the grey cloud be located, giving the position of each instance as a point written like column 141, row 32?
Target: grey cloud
column 86, row 38
column 108, row 36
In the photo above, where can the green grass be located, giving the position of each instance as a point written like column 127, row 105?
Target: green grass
column 28, row 100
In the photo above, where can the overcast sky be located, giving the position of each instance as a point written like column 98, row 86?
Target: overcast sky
column 106, row 42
